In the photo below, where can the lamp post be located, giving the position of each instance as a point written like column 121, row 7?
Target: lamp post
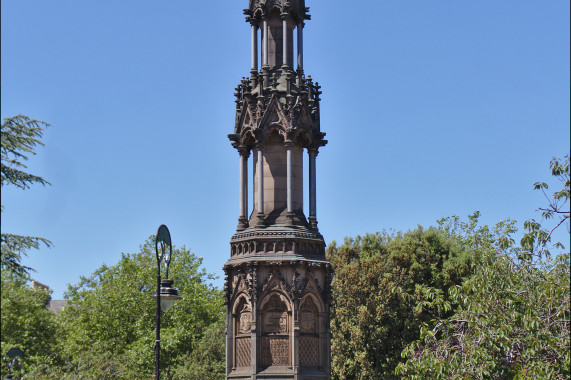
column 165, row 294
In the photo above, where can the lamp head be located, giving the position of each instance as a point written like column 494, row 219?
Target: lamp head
column 168, row 295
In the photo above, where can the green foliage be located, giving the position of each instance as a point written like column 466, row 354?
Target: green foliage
column 512, row 322
column 26, row 321
column 20, row 136
column 513, row 315
column 110, row 329
column 384, row 288
column 14, row 247
column 207, row 359
column 536, row 240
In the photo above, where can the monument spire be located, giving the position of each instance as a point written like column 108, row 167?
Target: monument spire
column 277, row 277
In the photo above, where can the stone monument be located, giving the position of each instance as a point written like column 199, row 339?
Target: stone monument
column 277, row 278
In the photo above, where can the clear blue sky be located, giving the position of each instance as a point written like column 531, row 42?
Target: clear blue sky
column 431, row 108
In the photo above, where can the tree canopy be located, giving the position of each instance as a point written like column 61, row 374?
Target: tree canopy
column 379, row 281
column 107, row 331
column 110, row 325
column 511, row 320
column 26, row 321
column 20, row 137
column 512, row 316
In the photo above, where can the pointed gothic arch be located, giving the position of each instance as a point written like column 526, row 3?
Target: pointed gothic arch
column 276, row 317
column 242, row 317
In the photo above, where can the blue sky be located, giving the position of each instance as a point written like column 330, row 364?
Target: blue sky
column 430, row 108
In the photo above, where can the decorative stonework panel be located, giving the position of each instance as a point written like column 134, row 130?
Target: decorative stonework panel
column 275, row 350
column 243, row 351
column 244, row 320
column 309, row 351
column 308, row 316
column 275, row 316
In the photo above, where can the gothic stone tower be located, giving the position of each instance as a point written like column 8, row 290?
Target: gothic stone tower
column 277, row 277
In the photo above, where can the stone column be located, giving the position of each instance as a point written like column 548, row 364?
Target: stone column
column 284, row 32
column 295, row 338
column 265, row 42
column 300, row 46
column 260, row 171
column 254, row 48
column 265, row 52
column 243, row 218
column 289, row 163
column 312, row 188
column 254, row 342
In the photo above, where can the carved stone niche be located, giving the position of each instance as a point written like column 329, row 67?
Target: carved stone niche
column 242, row 328
column 309, row 333
column 276, row 320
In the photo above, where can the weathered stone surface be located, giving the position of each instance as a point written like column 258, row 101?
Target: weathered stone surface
column 277, row 277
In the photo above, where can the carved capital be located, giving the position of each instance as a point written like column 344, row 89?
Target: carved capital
column 243, row 151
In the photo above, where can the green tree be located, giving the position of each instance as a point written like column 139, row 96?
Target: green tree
column 512, row 319
column 109, row 330
column 379, row 282
column 20, row 137
column 207, row 359
column 27, row 323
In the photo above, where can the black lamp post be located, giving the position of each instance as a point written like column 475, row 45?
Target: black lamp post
column 165, row 294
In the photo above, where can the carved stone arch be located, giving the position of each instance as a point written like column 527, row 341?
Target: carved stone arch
column 304, row 119
column 273, row 116
column 279, row 293
column 241, row 299
column 240, row 287
column 248, row 137
column 274, row 283
column 245, row 118
column 275, row 314
column 276, row 8
column 274, row 133
column 301, row 137
column 314, row 297
column 242, row 317
column 258, row 7
column 308, row 314
column 310, row 284
column 310, row 317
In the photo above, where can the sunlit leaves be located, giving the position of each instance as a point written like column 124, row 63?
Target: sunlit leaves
column 513, row 315
column 385, row 287
column 27, row 323
column 114, row 313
